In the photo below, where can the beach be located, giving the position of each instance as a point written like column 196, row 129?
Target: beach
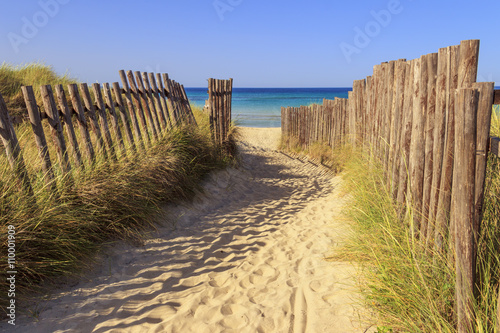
column 248, row 254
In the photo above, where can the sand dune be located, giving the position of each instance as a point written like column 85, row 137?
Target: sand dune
column 248, row 255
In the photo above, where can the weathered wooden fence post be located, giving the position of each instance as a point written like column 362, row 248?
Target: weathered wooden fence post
column 94, row 124
column 219, row 102
column 464, row 168
column 406, row 134
column 147, row 94
column 40, row 140
column 444, row 200
column 484, row 109
column 132, row 112
column 143, row 110
column 12, row 148
column 68, row 122
column 114, row 117
column 103, row 120
column 192, row 119
column 126, row 120
column 395, row 154
column 430, row 97
column 159, row 102
column 164, row 101
column 439, row 141
column 211, row 102
column 82, row 122
column 56, row 127
column 172, row 103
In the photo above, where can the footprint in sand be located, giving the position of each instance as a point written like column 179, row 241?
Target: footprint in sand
column 233, row 309
column 223, row 292
column 246, row 283
column 317, row 286
column 218, row 279
column 257, row 279
column 235, row 321
column 266, row 325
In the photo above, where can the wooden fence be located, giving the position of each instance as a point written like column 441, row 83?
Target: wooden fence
column 427, row 122
column 220, row 94
column 140, row 112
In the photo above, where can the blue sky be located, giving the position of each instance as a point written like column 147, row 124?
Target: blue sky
column 260, row 43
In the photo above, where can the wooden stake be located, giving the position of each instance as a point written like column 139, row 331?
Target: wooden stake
column 12, row 148
column 41, row 142
column 464, row 193
column 56, row 128
column 68, row 121
column 163, row 100
column 430, row 120
column 397, row 130
column 443, row 226
column 406, row 134
column 439, row 139
column 82, row 122
column 172, row 104
column 110, row 104
column 485, row 105
column 161, row 105
column 389, row 115
column 188, row 105
column 211, row 106
column 134, row 94
column 417, row 139
column 94, row 124
column 148, row 100
column 125, row 118
column 103, row 120
column 142, row 101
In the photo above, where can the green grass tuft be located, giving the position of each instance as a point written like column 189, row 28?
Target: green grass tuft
column 412, row 290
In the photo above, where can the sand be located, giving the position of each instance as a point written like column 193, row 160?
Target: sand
column 247, row 255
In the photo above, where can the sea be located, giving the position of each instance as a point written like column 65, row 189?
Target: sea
column 261, row 107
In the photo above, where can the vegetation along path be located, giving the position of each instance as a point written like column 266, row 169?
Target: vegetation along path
column 248, row 255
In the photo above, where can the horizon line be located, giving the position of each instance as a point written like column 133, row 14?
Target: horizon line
column 279, row 87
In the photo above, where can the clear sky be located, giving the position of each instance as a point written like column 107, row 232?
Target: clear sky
column 260, row 43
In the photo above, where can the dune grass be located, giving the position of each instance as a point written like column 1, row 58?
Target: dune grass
column 33, row 74
column 102, row 202
column 412, row 289
column 110, row 201
column 409, row 288
column 334, row 159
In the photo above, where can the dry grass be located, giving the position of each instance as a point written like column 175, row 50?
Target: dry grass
column 12, row 78
column 104, row 201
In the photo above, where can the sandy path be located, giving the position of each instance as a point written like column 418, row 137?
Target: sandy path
column 246, row 256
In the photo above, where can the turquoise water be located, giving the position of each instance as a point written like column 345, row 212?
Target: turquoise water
column 261, row 107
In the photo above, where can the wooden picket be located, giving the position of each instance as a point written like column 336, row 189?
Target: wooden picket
column 219, row 104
